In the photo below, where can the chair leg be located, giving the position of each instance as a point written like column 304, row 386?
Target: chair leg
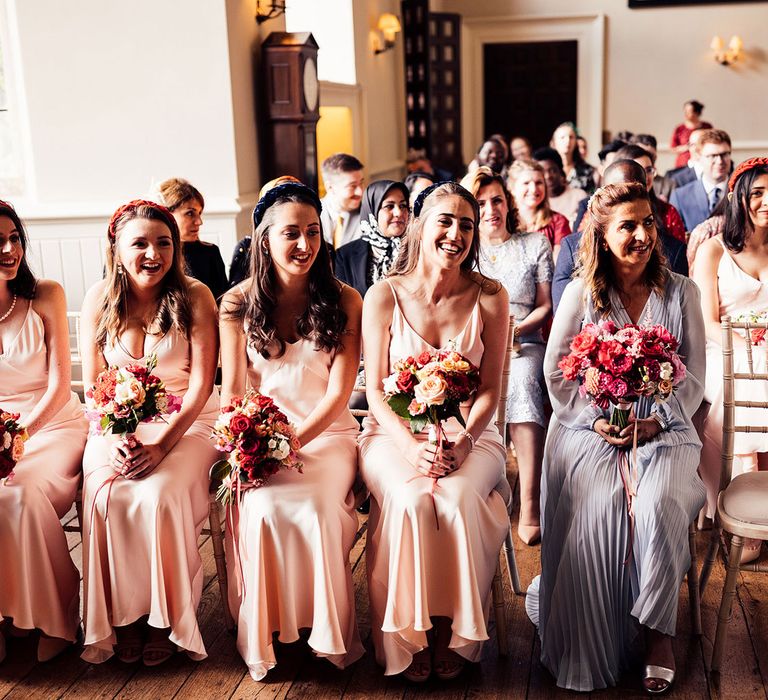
column 509, row 551
column 497, row 588
column 709, row 560
column 694, row 599
column 729, row 591
column 217, row 537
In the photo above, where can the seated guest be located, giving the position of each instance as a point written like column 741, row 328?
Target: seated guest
column 667, row 218
column 697, row 200
column 731, row 273
column 692, row 169
column 492, row 153
column 433, row 547
column 383, row 218
column 562, row 197
column 614, row 553
column 202, row 260
column 619, row 172
column 682, row 133
column 606, row 155
column 581, row 144
column 522, row 262
column 520, row 148
column 240, row 267
column 417, row 182
column 417, row 161
column 529, row 188
column 578, row 172
column 343, row 179
column 662, row 185
column 40, row 586
column 713, row 226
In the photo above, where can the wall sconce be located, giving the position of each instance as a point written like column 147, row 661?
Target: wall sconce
column 725, row 57
column 276, row 8
column 389, row 27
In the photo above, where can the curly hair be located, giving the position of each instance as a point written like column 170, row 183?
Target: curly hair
column 323, row 321
column 174, row 307
column 25, row 282
column 594, row 259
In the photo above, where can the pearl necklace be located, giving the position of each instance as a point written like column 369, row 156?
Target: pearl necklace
column 10, row 310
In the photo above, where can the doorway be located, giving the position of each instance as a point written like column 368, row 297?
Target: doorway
column 529, row 88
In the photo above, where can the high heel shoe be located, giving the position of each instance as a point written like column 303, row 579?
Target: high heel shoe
column 751, row 550
column 662, row 677
column 529, row 534
column 420, row 668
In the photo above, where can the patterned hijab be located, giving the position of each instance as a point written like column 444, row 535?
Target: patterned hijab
column 383, row 250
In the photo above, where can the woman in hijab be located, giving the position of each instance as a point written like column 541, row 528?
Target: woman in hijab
column 383, row 218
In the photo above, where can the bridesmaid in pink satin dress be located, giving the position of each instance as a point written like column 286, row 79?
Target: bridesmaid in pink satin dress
column 39, row 584
column 144, row 505
column 429, row 586
column 292, row 332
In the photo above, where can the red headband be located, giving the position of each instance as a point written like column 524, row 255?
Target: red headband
column 135, row 204
column 744, row 167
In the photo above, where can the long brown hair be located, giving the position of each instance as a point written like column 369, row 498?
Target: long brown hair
column 323, row 321
column 174, row 308
column 543, row 213
column 410, row 248
column 594, row 259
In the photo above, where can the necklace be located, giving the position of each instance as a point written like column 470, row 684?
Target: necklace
column 10, row 310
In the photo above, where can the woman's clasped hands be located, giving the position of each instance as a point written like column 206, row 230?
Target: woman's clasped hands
column 647, row 429
column 436, row 461
column 133, row 459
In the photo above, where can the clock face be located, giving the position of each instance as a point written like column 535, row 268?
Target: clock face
column 311, row 88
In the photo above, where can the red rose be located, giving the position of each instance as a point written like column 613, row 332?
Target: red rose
column 247, row 462
column 6, row 464
column 406, row 381
column 249, row 446
column 424, row 358
column 583, row 344
column 240, row 424
column 607, row 351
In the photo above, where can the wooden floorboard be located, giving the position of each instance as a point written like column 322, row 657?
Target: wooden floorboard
column 301, row 676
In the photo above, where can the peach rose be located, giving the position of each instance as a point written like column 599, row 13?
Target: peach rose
column 431, row 390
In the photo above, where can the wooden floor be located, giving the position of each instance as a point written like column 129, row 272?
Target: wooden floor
column 299, row 675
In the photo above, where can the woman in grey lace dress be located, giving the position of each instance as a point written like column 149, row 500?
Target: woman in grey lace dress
column 522, row 262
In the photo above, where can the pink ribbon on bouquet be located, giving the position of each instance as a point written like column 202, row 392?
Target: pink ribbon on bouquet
column 441, row 436
column 628, row 473
column 108, row 483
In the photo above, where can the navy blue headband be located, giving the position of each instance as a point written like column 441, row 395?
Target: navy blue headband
column 419, row 203
column 285, row 190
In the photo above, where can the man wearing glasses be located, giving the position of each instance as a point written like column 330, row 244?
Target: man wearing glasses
column 696, row 200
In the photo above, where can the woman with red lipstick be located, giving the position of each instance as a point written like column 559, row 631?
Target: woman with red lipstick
column 39, row 584
column 522, row 262
column 292, row 332
column 145, row 500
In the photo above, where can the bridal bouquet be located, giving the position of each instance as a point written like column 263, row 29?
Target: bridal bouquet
column 123, row 397
column 12, row 439
column 616, row 366
column 259, row 442
column 756, row 335
column 430, row 388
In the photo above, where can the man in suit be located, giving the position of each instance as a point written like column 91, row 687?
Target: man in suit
column 619, row 172
column 691, row 170
column 696, row 200
column 344, row 185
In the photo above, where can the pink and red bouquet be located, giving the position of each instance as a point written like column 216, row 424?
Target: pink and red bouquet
column 12, row 439
column 431, row 387
column 616, row 366
column 756, row 335
column 259, row 442
column 123, row 397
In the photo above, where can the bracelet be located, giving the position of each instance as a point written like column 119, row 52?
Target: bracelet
column 660, row 420
column 470, row 439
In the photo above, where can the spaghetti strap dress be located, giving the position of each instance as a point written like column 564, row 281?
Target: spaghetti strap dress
column 39, row 584
column 417, row 570
column 288, row 561
column 140, row 536
column 739, row 294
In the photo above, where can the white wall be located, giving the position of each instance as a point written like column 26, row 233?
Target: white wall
column 658, row 58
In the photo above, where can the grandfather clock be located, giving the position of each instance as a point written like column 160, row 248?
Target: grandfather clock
column 289, row 61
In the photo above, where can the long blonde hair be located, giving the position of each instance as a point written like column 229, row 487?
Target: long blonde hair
column 594, row 259
column 543, row 213
column 174, row 307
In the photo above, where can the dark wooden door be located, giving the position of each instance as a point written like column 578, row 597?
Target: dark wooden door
column 530, row 88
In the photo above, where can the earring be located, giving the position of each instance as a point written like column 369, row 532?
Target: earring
column 120, row 269
column 266, row 250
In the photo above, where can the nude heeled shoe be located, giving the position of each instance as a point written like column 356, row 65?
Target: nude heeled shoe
column 751, row 550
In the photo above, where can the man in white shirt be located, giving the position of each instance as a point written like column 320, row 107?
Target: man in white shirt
column 696, row 200
column 344, row 185
column 562, row 197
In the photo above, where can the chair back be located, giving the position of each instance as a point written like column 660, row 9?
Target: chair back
column 501, row 410
column 73, row 323
column 730, row 377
